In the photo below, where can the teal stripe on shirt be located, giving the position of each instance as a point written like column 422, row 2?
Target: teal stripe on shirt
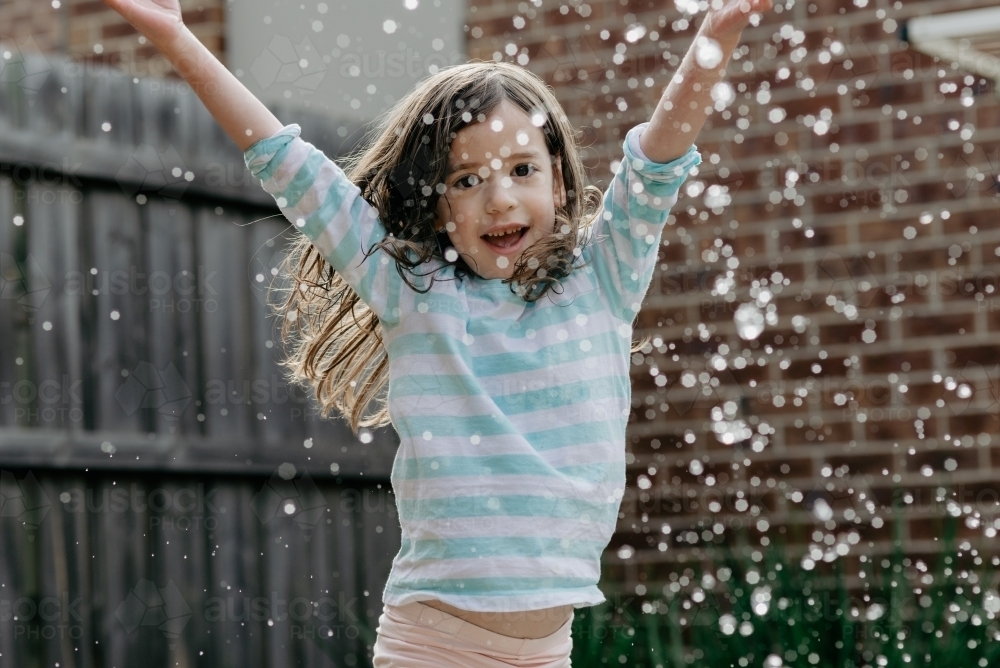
column 494, row 465
column 501, row 546
column 465, row 465
column 416, row 426
column 599, row 511
column 514, row 403
column 495, row 586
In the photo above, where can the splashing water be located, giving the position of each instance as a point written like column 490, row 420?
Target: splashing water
column 727, row 624
column 749, row 321
column 727, row 428
column 761, row 600
column 635, row 32
column 822, row 510
column 708, row 53
column 723, row 94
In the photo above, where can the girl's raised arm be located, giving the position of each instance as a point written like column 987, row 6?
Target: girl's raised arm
column 244, row 118
column 680, row 114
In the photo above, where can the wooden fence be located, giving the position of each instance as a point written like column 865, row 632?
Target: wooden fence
column 166, row 498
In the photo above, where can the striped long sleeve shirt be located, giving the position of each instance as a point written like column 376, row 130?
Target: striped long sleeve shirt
column 511, row 415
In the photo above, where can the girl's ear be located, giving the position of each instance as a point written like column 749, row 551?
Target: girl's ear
column 558, row 185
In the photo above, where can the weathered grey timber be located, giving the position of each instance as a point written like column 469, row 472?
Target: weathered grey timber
column 166, row 498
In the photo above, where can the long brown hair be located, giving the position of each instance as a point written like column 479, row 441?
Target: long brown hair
column 333, row 340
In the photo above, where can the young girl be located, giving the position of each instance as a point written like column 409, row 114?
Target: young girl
column 464, row 281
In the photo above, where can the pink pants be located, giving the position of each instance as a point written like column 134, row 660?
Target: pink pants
column 419, row 636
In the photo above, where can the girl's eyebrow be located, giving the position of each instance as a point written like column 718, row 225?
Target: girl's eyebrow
column 534, row 155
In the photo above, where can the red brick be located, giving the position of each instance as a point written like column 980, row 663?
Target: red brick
column 892, row 430
column 117, row 29
column 88, row 7
column 984, row 355
column 862, row 464
column 835, row 432
column 939, row 325
column 894, row 362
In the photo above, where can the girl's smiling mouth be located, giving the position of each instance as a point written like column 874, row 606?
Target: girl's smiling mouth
column 505, row 243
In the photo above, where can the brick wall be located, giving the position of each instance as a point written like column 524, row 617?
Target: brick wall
column 89, row 31
column 851, row 189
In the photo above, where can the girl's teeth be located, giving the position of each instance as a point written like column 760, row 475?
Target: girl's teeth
column 505, row 240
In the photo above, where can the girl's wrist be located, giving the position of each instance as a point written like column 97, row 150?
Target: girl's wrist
column 186, row 53
column 173, row 44
column 728, row 41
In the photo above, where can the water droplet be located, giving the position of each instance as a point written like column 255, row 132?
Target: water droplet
column 749, row 321
column 723, row 93
column 708, row 53
column 822, row 510
column 727, row 624
column 635, row 32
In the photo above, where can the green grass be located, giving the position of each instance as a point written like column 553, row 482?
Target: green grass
column 812, row 619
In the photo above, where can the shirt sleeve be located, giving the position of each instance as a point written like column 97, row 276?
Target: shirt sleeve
column 317, row 197
column 626, row 233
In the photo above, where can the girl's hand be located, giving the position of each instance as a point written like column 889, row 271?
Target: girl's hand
column 159, row 20
column 728, row 18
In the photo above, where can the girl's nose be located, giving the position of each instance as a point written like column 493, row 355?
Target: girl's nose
column 500, row 196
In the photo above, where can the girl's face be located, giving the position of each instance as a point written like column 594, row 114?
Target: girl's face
column 502, row 190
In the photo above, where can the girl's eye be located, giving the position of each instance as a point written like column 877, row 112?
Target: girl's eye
column 528, row 170
column 468, row 181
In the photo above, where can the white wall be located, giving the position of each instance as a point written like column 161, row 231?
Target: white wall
column 335, row 57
